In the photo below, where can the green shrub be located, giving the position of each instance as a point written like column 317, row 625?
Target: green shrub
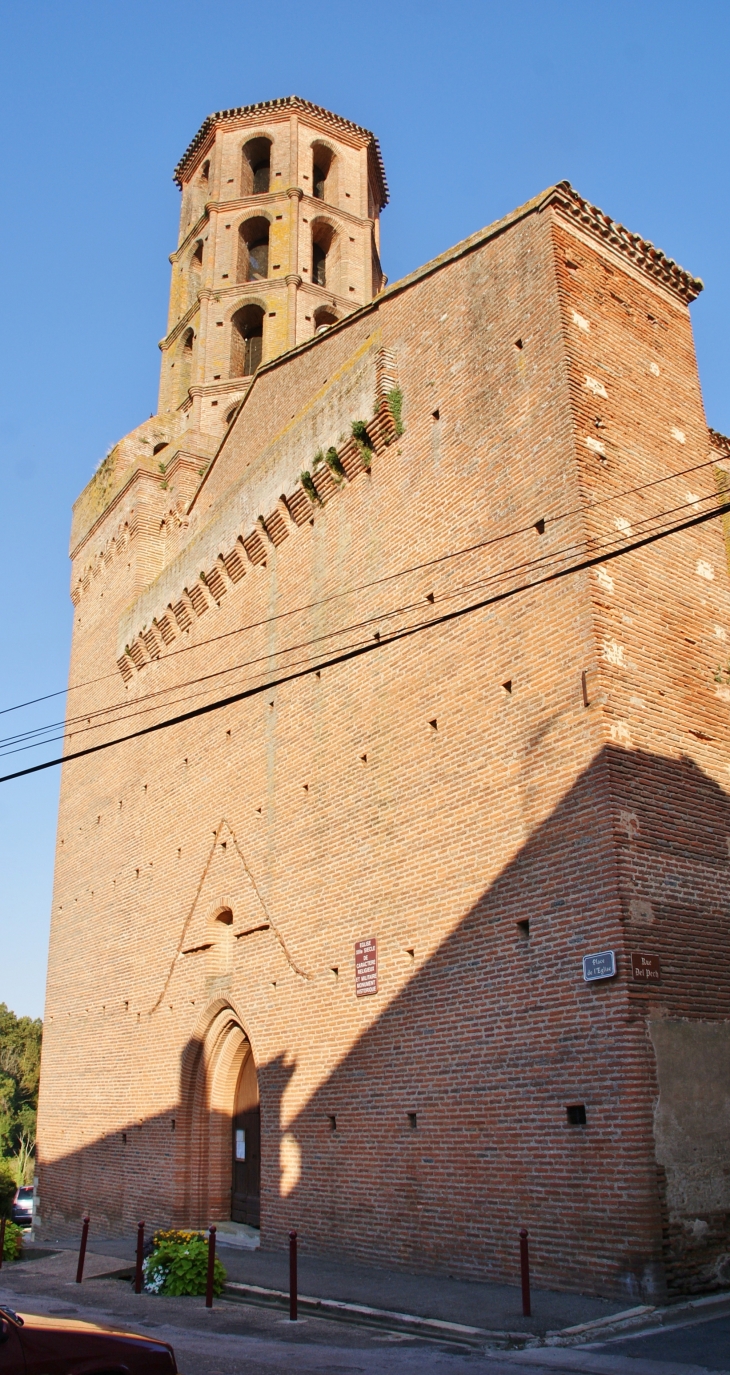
column 179, row 1265
column 13, row 1241
column 7, row 1187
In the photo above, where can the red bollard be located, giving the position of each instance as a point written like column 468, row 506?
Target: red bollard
column 525, row 1269
column 211, row 1268
column 140, row 1258
column 2, row 1241
column 292, row 1277
column 82, row 1251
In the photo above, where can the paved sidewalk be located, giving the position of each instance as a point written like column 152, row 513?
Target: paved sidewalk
column 485, row 1305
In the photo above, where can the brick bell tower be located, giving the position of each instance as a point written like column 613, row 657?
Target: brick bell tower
column 279, row 238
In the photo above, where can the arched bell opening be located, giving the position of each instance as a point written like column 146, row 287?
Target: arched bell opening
column 324, row 167
column 324, row 318
column 325, row 252
column 247, row 340
column 256, row 167
column 252, row 264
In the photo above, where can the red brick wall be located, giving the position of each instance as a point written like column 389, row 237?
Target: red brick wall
column 332, row 809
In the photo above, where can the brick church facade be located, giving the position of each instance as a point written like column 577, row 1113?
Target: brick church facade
column 317, row 955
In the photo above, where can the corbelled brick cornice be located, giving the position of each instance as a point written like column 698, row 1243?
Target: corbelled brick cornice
column 280, row 106
column 643, row 254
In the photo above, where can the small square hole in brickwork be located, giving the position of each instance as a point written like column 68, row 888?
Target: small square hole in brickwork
column 430, row 597
column 413, row 1121
column 523, row 928
column 172, row 1124
column 540, row 527
column 331, row 1118
column 576, row 1114
column 434, row 724
column 508, row 686
column 436, row 415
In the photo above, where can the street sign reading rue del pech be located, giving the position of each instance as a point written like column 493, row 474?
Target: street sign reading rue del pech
column 646, row 968
column 366, row 967
column 601, row 966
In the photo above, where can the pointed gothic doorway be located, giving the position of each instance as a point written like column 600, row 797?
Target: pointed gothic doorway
column 220, row 1098
column 246, row 1184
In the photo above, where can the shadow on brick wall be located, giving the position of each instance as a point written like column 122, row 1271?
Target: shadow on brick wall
column 445, row 1128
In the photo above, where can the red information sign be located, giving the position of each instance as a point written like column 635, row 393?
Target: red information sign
column 366, row 967
column 646, row 968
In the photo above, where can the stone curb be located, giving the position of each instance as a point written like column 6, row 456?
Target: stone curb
column 381, row 1317
column 634, row 1319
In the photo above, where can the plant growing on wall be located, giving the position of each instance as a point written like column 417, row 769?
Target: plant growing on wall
column 363, row 441
column 309, row 487
column 332, row 459
column 395, row 406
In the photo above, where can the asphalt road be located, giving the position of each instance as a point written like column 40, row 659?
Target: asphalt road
column 704, row 1343
column 245, row 1339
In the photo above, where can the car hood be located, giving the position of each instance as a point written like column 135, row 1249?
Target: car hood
column 44, row 1322
column 41, row 1331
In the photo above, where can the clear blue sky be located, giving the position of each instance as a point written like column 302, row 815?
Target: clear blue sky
column 477, row 106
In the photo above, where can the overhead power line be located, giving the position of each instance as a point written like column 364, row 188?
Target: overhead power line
column 376, row 582
column 372, row 646
column 135, row 707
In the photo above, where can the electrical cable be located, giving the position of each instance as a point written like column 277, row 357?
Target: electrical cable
column 564, row 515
column 550, row 557
column 371, row 647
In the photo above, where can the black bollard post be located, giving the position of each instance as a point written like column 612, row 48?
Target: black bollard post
column 82, row 1251
column 140, row 1258
column 292, row 1277
column 525, row 1272
column 211, row 1268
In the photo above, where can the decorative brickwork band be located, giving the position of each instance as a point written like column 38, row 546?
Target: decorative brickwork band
column 273, row 529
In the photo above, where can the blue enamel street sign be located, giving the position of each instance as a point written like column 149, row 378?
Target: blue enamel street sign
column 601, row 966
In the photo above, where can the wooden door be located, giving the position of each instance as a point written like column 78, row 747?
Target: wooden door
column 246, row 1191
